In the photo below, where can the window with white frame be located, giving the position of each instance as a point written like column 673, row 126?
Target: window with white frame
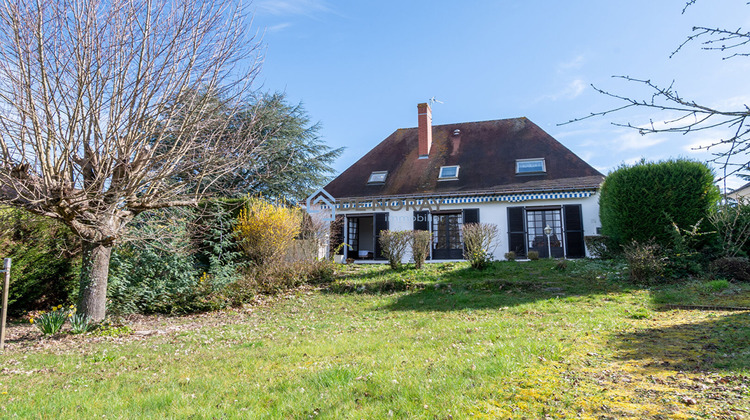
column 448, row 173
column 530, row 166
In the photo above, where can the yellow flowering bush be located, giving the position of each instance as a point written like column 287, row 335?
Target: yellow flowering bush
column 265, row 230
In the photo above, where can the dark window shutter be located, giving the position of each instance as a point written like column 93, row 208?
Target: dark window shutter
column 471, row 216
column 574, row 231
column 381, row 223
column 517, row 231
column 421, row 220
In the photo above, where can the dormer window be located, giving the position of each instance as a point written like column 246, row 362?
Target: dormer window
column 377, row 177
column 530, row 166
column 448, row 173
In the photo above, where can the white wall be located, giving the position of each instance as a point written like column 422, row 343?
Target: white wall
column 497, row 213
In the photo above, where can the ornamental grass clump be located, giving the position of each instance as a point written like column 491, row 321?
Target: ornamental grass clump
column 51, row 322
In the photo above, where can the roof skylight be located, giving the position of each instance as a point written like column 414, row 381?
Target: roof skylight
column 448, row 173
column 530, row 166
column 377, row 177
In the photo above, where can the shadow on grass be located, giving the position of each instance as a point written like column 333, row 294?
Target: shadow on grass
column 451, row 286
column 722, row 342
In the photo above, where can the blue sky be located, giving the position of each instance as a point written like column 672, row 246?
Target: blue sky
column 361, row 67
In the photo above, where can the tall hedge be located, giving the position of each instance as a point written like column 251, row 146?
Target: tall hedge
column 640, row 202
column 45, row 258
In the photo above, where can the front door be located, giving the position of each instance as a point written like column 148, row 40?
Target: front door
column 447, row 238
column 536, row 221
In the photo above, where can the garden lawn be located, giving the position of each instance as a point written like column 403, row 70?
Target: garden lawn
column 518, row 340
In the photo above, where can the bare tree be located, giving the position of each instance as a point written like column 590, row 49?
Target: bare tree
column 109, row 108
column 684, row 115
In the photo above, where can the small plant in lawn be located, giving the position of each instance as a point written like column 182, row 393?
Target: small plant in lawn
column 716, row 285
column 79, row 323
column 510, row 256
column 533, row 255
column 420, row 247
column 50, row 322
column 109, row 330
column 480, row 240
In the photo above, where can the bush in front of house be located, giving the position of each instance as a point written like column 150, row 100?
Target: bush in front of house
column 394, row 245
column 420, row 247
column 641, row 202
column 480, row 241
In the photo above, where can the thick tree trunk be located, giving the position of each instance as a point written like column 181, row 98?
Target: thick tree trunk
column 94, row 272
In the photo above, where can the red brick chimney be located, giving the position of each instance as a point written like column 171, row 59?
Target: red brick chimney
column 424, row 114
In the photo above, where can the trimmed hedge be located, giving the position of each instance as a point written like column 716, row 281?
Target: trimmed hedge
column 640, row 202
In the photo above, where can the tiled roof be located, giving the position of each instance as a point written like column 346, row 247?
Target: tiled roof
column 486, row 152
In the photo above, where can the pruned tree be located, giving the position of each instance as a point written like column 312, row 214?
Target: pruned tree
column 683, row 115
column 109, row 108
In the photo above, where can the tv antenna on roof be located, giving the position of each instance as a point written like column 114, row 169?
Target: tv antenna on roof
column 433, row 100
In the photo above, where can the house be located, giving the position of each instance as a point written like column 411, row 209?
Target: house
column 437, row 178
column 742, row 192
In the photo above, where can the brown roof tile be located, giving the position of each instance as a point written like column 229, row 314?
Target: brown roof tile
column 486, row 152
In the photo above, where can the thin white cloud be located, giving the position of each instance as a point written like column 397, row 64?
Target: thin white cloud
column 292, row 7
column 733, row 103
column 572, row 64
column 632, row 140
column 571, row 91
column 279, row 27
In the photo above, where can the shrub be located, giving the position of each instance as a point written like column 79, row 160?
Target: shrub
column 176, row 260
column 320, row 271
column 265, row 230
column 599, row 246
column 46, row 260
column 646, row 264
column 480, row 241
column 642, row 202
column 154, row 272
column 420, row 247
column 737, row 268
column 393, row 245
column 532, row 255
column 684, row 258
column 510, row 256
column 214, row 240
column 731, row 222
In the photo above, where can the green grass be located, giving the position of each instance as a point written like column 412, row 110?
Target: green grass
column 518, row 340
